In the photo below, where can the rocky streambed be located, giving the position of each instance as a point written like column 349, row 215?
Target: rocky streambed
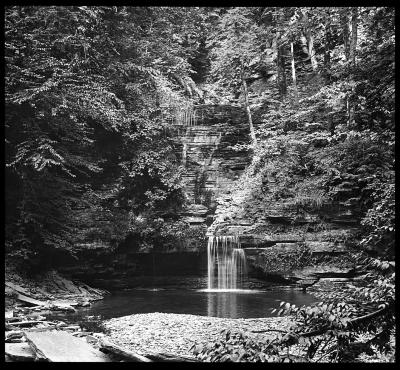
column 177, row 333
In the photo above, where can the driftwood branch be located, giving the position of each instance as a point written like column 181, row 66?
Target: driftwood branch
column 28, row 322
column 128, row 355
column 356, row 320
column 109, row 347
column 166, row 357
column 268, row 330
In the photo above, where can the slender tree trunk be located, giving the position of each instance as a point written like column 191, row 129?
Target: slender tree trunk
column 281, row 66
column 296, row 93
column 247, row 105
column 311, row 51
column 304, row 44
column 353, row 45
column 327, row 53
column 276, row 57
column 352, row 56
column 280, row 61
column 344, row 19
column 309, row 42
column 346, row 33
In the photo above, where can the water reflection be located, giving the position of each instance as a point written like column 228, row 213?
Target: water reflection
column 222, row 304
column 232, row 304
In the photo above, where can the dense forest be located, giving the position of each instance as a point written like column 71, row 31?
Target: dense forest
column 92, row 102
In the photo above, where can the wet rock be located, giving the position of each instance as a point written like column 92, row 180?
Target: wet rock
column 85, row 304
column 59, row 346
column 19, row 351
column 9, row 314
column 12, row 335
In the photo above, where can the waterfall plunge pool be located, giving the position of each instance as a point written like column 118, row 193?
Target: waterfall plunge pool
column 238, row 303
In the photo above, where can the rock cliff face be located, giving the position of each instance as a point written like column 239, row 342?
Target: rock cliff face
column 212, row 164
column 282, row 241
column 123, row 269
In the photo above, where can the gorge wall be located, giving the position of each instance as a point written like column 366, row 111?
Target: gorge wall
column 282, row 241
column 290, row 231
column 211, row 167
column 211, row 163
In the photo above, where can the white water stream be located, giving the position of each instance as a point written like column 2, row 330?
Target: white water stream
column 226, row 263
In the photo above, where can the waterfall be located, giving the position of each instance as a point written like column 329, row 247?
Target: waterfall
column 185, row 115
column 226, row 262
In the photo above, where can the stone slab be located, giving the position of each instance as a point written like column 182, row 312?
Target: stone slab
column 19, row 351
column 59, row 346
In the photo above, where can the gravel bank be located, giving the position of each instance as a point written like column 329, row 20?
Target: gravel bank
column 176, row 333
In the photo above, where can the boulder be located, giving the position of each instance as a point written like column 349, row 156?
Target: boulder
column 19, row 352
column 313, row 272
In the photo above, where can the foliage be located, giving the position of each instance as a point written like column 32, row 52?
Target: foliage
column 90, row 95
column 237, row 347
column 332, row 150
column 331, row 331
column 87, row 96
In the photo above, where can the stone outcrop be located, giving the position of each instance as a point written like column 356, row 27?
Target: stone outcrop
column 275, row 223
column 123, row 268
column 211, row 163
column 301, row 261
column 283, row 242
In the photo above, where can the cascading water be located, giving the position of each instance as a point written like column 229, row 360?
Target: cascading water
column 226, row 263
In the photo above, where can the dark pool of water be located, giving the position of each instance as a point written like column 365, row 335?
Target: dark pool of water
column 257, row 303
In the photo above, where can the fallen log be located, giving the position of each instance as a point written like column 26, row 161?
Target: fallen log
column 82, row 333
column 33, row 308
column 9, row 327
column 109, row 347
column 29, row 300
column 14, row 334
column 268, row 330
column 62, row 307
column 72, row 327
column 60, row 302
column 13, row 319
column 18, row 288
column 167, row 357
column 95, row 290
column 29, row 322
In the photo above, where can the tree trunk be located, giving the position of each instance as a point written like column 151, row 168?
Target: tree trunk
column 310, row 42
column 353, row 44
column 345, row 29
column 281, row 66
column 246, row 100
column 311, row 51
column 276, row 57
column 280, row 62
column 352, row 56
column 296, row 93
column 327, row 53
column 127, row 355
column 304, row 45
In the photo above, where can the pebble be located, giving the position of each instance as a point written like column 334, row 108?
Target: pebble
column 176, row 333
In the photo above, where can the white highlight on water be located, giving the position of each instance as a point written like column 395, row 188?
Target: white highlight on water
column 226, row 263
